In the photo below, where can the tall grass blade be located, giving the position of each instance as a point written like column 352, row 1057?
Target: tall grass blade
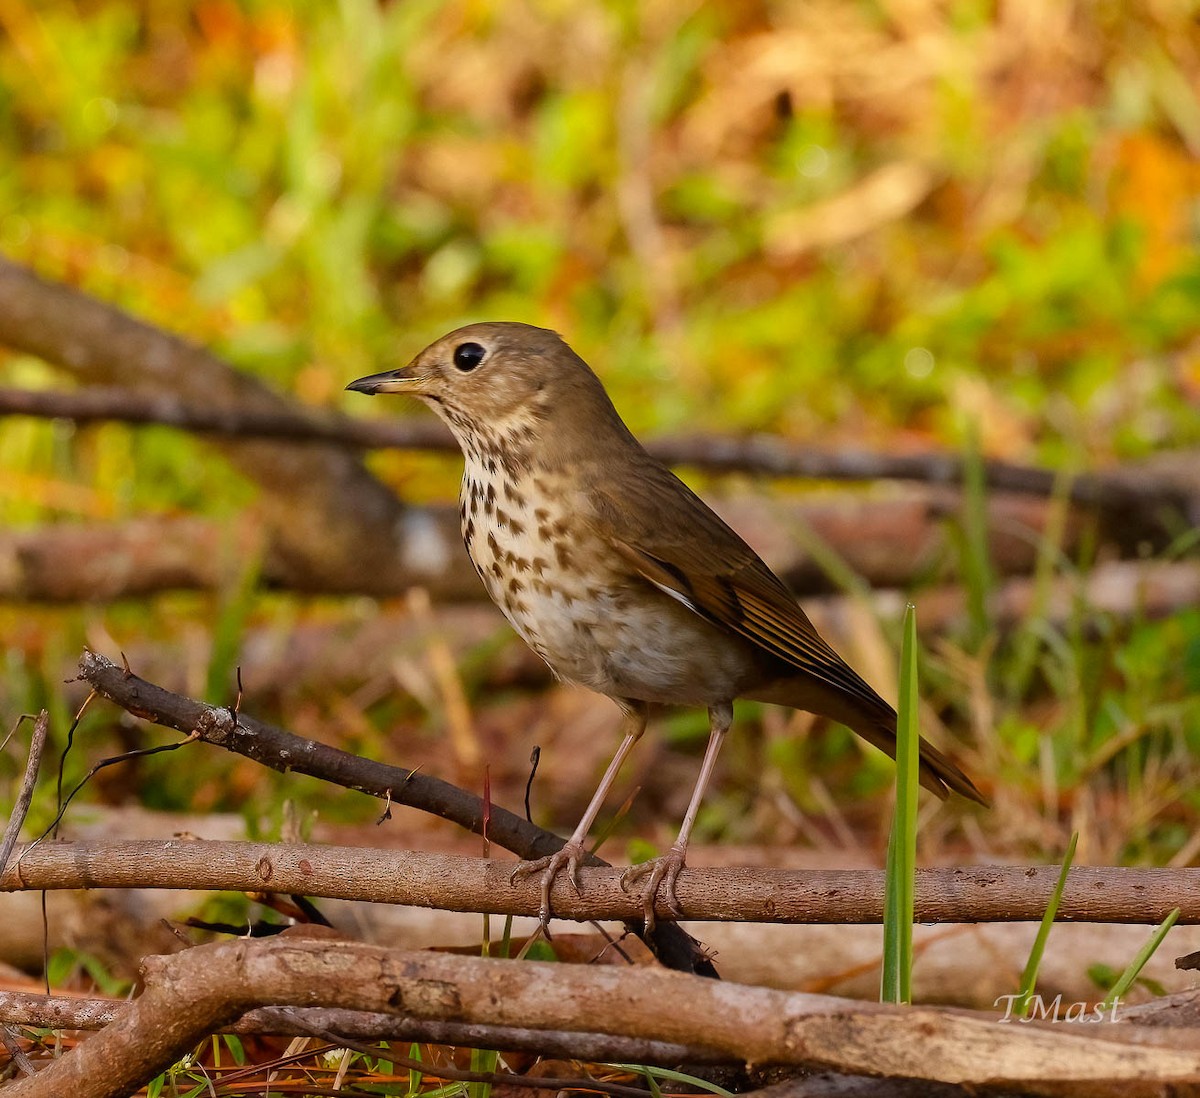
column 1029, row 976
column 1125, row 982
column 896, row 982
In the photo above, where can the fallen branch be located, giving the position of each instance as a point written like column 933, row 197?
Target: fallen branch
column 1180, row 1011
column 144, row 556
column 449, row 882
column 200, row 990
column 63, row 1012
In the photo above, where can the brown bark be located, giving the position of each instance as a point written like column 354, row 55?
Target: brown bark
column 147, row 556
column 70, row 1013
column 449, row 882
column 193, row 993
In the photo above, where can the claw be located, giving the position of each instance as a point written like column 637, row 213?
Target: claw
column 663, row 873
column 568, row 857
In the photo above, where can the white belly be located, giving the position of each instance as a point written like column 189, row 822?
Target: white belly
column 611, row 632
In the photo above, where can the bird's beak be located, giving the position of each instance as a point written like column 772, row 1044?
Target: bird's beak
column 406, row 380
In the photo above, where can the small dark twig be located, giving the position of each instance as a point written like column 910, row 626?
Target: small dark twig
column 535, row 756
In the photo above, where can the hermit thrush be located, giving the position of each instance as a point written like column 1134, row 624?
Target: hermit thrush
column 616, row 573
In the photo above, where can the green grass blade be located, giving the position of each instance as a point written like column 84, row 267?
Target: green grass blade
column 896, row 982
column 1139, row 962
column 1029, row 976
column 653, row 1074
column 415, row 1077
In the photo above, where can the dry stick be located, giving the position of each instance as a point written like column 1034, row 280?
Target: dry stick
column 62, row 1012
column 16, row 1052
column 1180, row 1011
column 37, row 746
column 762, row 454
column 287, row 753
column 145, row 556
column 194, row 993
column 451, row 882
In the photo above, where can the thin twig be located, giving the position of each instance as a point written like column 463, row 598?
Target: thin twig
column 16, row 1051
column 460, row 1075
column 16, row 818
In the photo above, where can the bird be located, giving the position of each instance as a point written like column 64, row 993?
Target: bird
column 618, row 575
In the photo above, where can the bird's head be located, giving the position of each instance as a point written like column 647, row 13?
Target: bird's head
column 499, row 380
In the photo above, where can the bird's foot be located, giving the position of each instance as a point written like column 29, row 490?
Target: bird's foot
column 662, row 872
column 568, row 857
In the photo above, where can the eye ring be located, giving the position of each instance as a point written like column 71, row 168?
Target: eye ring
column 469, row 355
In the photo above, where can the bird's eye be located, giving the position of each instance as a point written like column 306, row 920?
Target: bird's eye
column 468, row 355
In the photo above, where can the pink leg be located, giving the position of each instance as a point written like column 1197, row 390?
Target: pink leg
column 573, row 851
column 664, row 871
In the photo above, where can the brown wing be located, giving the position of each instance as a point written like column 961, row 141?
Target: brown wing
column 675, row 541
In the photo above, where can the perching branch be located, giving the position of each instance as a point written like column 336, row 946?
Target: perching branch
column 449, row 882
column 201, row 990
column 287, row 753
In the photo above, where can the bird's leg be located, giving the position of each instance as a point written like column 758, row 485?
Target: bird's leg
column 573, row 851
column 664, row 871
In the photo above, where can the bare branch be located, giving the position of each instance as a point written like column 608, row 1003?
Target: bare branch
column 1144, row 490
column 449, row 882
column 144, row 556
column 201, row 990
column 147, row 555
column 106, row 404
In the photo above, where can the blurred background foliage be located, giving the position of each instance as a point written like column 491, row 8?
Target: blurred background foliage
column 867, row 222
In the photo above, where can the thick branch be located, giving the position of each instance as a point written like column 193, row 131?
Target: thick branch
column 200, row 990
column 69, row 1013
column 448, row 882
column 148, row 555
